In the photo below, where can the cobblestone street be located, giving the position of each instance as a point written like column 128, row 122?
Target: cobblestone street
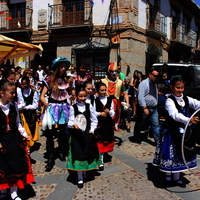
column 129, row 175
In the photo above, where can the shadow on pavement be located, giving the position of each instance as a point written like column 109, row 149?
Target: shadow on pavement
column 27, row 192
column 155, row 175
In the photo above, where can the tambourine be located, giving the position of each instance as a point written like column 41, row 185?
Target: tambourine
column 184, row 139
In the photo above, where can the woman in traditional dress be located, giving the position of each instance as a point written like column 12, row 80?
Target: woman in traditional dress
column 168, row 155
column 15, row 167
column 105, row 129
column 83, row 152
column 58, row 89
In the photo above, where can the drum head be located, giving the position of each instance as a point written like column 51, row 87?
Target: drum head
column 81, row 121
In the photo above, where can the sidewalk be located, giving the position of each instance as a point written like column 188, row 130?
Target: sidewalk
column 129, row 176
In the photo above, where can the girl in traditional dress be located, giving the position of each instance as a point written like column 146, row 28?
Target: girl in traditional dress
column 58, row 88
column 83, row 151
column 15, row 167
column 89, row 91
column 105, row 129
column 27, row 104
column 168, row 154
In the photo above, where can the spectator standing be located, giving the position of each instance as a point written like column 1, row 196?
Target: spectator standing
column 82, row 76
column 147, row 106
column 40, row 71
column 72, row 71
column 136, row 83
column 122, row 76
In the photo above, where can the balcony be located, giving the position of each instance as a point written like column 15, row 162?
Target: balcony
column 156, row 23
column 182, row 35
column 11, row 20
column 71, row 14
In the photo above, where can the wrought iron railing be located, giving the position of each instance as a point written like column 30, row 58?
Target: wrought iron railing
column 16, row 19
column 183, row 35
column 70, row 14
column 156, row 21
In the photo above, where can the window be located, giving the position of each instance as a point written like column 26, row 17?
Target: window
column 18, row 10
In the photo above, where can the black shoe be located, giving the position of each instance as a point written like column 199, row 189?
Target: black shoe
column 61, row 157
column 49, row 166
column 80, row 184
column 101, row 167
column 180, row 183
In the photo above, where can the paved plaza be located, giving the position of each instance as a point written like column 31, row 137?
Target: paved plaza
column 129, row 175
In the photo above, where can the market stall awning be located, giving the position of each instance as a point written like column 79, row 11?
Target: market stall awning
column 10, row 48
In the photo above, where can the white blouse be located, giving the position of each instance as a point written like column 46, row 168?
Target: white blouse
column 6, row 109
column 81, row 108
column 104, row 101
column 20, row 102
column 173, row 112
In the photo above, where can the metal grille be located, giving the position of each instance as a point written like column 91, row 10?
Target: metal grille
column 97, row 60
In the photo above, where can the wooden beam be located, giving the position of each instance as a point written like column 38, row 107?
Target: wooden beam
column 8, row 54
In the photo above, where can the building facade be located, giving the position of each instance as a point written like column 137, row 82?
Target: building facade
column 134, row 33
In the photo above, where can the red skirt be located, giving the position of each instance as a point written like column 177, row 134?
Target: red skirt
column 21, row 183
column 105, row 147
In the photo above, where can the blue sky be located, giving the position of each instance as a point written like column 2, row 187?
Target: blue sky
column 198, row 2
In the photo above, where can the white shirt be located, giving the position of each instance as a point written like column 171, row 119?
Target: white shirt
column 21, row 103
column 173, row 112
column 40, row 73
column 81, row 108
column 104, row 101
column 6, row 109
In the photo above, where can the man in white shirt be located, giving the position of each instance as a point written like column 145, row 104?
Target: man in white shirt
column 40, row 71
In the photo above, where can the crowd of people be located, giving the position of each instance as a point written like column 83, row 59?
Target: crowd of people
column 83, row 115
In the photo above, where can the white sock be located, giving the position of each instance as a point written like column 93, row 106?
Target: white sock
column 102, row 155
column 80, row 175
column 84, row 174
column 176, row 177
column 13, row 193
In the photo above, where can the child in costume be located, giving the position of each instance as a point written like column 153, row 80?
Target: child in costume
column 105, row 128
column 27, row 104
column 15, row 166
column 83, row 152
column 89, row 91
column 58, row 88
column 168, row 155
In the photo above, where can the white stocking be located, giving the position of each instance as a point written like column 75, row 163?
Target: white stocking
column 176, row 177
column 168, row 176
column 80, row 175
column 13, row 193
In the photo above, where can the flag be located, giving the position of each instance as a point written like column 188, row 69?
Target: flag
column 8, row 18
